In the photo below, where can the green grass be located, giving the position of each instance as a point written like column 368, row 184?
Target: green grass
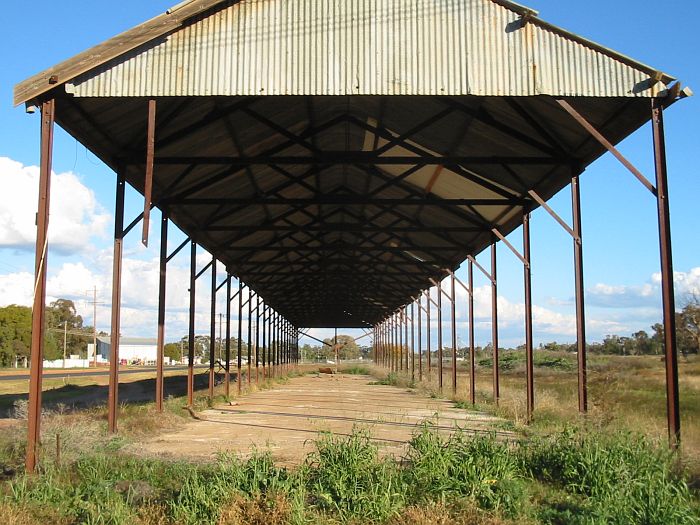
column 356, row 370
column 572, row 477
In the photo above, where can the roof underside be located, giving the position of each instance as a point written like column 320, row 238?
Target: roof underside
column 400, row 155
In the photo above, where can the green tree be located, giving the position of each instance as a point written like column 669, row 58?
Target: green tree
column 173, row 351
column 62, row 314
column 15, row 333
column 347, row 348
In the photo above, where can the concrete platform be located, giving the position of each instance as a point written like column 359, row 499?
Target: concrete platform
column 287, row 420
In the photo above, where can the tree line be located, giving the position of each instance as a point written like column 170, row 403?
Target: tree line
column 16, row 328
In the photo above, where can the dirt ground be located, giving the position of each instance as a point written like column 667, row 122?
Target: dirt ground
column 287, row 419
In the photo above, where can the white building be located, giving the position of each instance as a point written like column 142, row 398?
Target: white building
column 132, row 350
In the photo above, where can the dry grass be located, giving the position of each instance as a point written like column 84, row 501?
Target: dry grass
column 16, row 515
column 260, row 510
column 441, row 514
column 625, row 392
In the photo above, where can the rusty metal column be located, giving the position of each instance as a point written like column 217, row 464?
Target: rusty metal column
column 240, row 335
column 439, row 334
column 212, row 332
column 250, row 331
column 472, row 350
column 453, row 316
column 227, row 380
column 529, row 357
column 277, row 344
column 190, row 337
column 494, row 325
column 113, row 396
column 427, row 332
column 400, row 323
column 385, row 343
column 257, row 339
column 264, row 340
column 580, row 307
column 413, row 342
column 396, row 344
column 405, row 311
column 161, row 310
column 420, row 343
column 669, row 307
column 39, row 304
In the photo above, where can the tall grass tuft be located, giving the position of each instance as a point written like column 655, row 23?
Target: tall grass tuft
column 481, row 468
column 624, row 477
column 348, row 480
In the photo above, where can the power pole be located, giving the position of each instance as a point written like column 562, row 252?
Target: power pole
column 94, row 322
column 65, row 341
column 94, row 325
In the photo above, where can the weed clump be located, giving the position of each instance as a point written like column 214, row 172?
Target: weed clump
column 623, row 477
column 481, row 469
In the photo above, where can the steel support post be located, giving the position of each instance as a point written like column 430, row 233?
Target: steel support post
column 212, row 332
column 413, row 342
column 264, row 341
column 427, row 332
column 277, row 344
column 227, row 380
column 250, row 332
column 394, row 343
column 161, row 310
column 113, row 395
column 669, row 307
column 405, row 317
column 399, row 323
column 529, row 357
column 439, row 332
column 472, row 349
column 190, row 336
column 39, row 304
column 420, row 342
column 494, row 325
column 580, row 306
column 257, row 339
column 385, row 344
column 239, row 344
column 453, row 319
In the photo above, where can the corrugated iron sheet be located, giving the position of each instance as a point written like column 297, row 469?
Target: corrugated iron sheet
column 372, row 47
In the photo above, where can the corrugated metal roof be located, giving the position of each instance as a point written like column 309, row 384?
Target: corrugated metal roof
column 365, row 47
column 329, row 47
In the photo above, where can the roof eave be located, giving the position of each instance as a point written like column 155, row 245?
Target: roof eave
column 36, row 86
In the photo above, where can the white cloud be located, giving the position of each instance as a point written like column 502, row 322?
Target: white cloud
column 645, row 295
column 75, row 214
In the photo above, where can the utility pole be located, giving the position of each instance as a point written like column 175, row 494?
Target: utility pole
column 65, row 341
column 94, row 325
column 94, row 322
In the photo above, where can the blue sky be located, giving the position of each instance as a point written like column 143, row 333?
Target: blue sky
column 619, row 217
